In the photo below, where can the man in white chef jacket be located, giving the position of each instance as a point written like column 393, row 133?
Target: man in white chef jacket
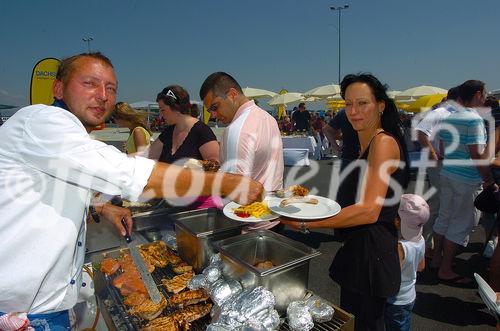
column 48, row 167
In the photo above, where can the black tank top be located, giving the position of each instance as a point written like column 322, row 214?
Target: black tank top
column 368, row 261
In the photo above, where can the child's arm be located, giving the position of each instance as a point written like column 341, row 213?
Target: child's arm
column 401, row 253
column 421, row 265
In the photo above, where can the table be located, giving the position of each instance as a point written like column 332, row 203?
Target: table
column 300, row 142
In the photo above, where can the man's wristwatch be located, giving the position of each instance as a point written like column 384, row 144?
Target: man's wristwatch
column 303, row 228
column 94, row 214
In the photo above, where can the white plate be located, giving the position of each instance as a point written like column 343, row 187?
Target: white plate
column 228, row 211
column 306, row 211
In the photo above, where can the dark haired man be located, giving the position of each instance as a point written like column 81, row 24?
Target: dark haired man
column 301, row 118
column 251, row 144
column 48, row 167
column 465, row 168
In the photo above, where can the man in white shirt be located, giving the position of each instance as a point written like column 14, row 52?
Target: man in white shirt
column 48, row 167
column 428, row 137
column 251, row 144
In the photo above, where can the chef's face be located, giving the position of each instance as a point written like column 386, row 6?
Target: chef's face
column 89, row 91
column 223, row 109
column 362, row 109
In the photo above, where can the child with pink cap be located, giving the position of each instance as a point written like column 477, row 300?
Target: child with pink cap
column 413, row 214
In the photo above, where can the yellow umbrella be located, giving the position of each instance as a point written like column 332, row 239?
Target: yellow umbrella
column 425, row 103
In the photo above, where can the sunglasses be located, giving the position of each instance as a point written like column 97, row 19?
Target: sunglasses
column 169, row 93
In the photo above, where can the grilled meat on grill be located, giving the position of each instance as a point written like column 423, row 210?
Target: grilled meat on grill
column 181, row 268
column 178, row 283
column 188, row 298
column 109, row 266
column 149, row 310
column 158, row 254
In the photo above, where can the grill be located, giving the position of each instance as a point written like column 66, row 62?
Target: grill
column 335, row 324
column 115, row 312
column 116, row 315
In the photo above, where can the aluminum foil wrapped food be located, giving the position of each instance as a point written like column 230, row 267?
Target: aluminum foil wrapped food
column 251, row 302
column 212, row 274
column 223, row 290
column 198, row 281
column 252, row 326
column 250, row 308
column 215, row 261
column 299, row 317
column 170, row 239
column 215, row 258
column 320, row 310
column 218, row 327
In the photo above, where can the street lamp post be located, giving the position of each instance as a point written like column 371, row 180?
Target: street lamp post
column 339, row 9
column 88, row 40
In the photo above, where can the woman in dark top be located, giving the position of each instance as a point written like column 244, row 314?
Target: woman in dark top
column 367, row 265
column 185, row 136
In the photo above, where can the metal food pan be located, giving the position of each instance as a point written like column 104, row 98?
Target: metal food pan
column 287, row 279
column 197, row 230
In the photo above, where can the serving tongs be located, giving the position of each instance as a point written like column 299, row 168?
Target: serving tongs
column 148, row 280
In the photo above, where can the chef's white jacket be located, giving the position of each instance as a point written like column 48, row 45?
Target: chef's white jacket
column 48, row 166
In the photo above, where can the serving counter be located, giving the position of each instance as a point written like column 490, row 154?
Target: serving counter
column 200, row 234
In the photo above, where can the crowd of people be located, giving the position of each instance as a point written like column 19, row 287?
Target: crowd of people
column 51, row 168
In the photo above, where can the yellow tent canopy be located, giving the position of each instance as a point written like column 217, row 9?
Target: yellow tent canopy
column 425, row 103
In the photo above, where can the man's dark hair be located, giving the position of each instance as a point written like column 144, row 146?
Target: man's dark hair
column 469, row 88
column 219, row 84
column 453, row 93
column 67, row 65
column 302, row 105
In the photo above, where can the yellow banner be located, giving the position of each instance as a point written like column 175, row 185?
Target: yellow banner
column 42, row 77
column 206, row 115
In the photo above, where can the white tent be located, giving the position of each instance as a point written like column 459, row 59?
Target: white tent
column 496, row 94
column 142, row 105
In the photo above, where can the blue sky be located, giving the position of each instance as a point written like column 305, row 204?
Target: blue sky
column 270, row 44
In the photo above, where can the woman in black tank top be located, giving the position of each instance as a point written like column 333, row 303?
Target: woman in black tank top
column 367, row 265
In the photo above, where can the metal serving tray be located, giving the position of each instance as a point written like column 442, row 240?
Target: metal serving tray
column 287, row 280
column 196, row 231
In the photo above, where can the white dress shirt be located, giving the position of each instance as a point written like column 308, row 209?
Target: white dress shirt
column 48, row 167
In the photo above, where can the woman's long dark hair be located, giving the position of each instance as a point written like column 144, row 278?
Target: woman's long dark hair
column 391, row 122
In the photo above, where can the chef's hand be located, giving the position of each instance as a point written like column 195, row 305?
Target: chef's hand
column 243, row 190
column 115, row 214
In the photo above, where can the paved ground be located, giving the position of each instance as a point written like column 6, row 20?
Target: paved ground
column 438, row 307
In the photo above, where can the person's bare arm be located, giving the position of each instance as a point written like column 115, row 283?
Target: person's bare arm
column 332, row 135
column 210, row 151
column 383, row 149
column 170, row 181
column 482, row 158
column 425, row 142
column 401, row 253
column 421, row 265
column 155, row 150
column 140, row 140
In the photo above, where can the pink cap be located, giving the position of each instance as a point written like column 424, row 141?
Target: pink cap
column 414, row 213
